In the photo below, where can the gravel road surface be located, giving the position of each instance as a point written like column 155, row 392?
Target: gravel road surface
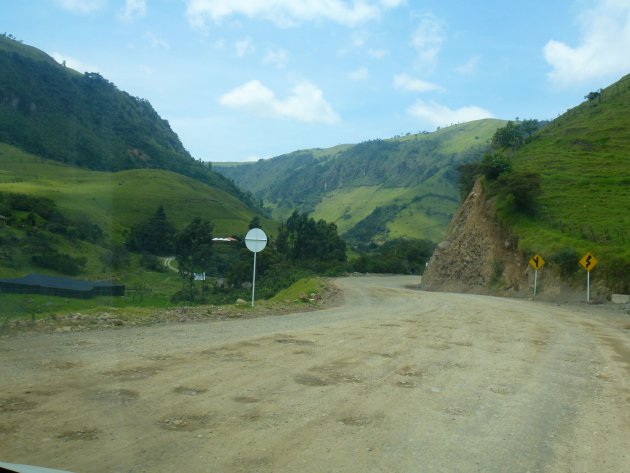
column 392, row 380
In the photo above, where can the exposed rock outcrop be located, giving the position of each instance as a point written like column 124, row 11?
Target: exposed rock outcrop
column 476, row 255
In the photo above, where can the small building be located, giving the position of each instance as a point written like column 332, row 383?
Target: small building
column 3, row 220
column 60, row 286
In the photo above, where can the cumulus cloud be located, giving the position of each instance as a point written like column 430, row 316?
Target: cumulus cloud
column 305, row 103
column 378, row 53
column 603, row 49
column 428, row 38
column 244, row 46
column 287, row 13
column 74, row 63
column 276, row 57
column 156, row 42
column 405, row 82
column 359, row 74
column 441, row 115
column 82, row 6
column 133, row 9
column 469, row 67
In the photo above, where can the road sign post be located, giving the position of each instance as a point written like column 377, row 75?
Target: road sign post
column 588, row 262
column 255, row 240
column 536, row 262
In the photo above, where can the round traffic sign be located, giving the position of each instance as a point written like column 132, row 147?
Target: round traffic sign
column 255, row 240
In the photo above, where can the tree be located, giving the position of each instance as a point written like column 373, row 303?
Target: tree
column 255, row 222
column 302, row 238
column 154, row 236
column 193, row 250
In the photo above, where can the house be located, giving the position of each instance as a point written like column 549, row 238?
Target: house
column 60, row 286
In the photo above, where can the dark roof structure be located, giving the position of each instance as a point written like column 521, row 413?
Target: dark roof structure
column 59, row 286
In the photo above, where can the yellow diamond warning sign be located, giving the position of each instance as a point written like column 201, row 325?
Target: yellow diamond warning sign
column 588, row 261
column 536, row 262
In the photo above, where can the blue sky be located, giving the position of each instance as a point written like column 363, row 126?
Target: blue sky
column 248, row 79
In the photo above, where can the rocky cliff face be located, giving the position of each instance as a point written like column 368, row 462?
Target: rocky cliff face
column 476, row 255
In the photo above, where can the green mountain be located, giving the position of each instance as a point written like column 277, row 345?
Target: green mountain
column 583, row 160
column 561, row 192
column 373, row 191
column 83, row 213
column 81, row 162
column 84, row 120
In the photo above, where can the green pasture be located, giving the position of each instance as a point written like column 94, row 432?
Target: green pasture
column 116, row 200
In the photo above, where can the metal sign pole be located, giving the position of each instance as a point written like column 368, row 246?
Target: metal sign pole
column 536, row 262
column 255, row 240
column 254, row 280
column 588, row 286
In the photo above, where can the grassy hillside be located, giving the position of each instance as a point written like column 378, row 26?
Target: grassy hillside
column 116, row 200
column 373, row 191
column 112, row 200
column 583, row 159
column 84, row 120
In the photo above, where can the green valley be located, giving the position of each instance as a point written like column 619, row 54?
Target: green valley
column 376, row 190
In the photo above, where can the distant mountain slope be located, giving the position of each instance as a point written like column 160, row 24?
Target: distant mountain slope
column 376, row 190
column 83, row 120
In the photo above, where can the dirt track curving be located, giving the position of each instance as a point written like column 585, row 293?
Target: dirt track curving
column 393, row 380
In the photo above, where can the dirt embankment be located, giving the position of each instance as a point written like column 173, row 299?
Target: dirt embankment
column 478, row 256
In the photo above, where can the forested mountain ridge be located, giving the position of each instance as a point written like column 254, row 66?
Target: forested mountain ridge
column 375, row 190
column 84, row 120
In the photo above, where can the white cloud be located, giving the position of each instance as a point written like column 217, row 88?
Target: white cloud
column 441, row 115
column 75, row 64
column 393, row 3
column 428, row 38
column 378, row 53
column 405, row 82
column 133, row 9
column 244, row 46
column 359, row 74
column 156, row 42
column 286, row 13
column 603, row 49
column 82, row 6
column 305, row 103
column 469, row 67
column 277, row 57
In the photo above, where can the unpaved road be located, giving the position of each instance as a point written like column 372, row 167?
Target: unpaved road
column 393, row 380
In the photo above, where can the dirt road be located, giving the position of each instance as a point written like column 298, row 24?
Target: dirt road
column 393, row 380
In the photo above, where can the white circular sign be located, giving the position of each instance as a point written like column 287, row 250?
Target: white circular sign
column 255, row 240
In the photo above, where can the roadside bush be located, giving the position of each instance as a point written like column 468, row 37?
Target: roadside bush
column 60, row 262
column 566, row 260
column 524, row 187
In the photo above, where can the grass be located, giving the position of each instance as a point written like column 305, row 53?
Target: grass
column 300, row 290
column 27, row 306
column 354, row 182
column 117, row 200
column 583, row 159
column 425, row 212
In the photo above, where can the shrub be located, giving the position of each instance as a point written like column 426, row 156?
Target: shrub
column 60, row 262
column 566, row 260
column 524, row 187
